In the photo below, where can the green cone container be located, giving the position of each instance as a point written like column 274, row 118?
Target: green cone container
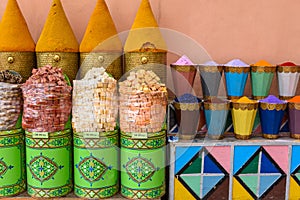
column 12, row 163
column 261, row 80
column 49, row 164
column 143, row 165
column 96, row 164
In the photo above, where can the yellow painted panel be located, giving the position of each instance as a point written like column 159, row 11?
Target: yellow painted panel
column 239, row 192
column 294, row 190
column 181, row 192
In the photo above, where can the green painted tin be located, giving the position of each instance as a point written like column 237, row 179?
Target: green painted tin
column 12, row 163
column 143, row 165
column 96, row 164
column 49, row 163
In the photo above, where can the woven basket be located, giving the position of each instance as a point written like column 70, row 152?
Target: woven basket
column 111, row 61
column 21, row 62
column 67, row 61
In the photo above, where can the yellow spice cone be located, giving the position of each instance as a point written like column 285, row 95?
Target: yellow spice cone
column 144, row 29
column 101, row 33
column 57, row 34
column 14, row 33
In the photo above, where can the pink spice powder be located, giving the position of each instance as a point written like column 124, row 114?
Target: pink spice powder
column 184, row 60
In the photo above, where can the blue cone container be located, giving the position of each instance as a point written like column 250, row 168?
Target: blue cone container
column 271, row 116
column 236, row 78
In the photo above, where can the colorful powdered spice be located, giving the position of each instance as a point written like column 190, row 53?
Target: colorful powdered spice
column 187, row 98
column 57, row 34
column 14, row 33
column 287, row 64
column 295, row 99
column 236, row 63
column 145, row 30
column 184, row 60
column 245, row 99
column 211, row 63
column 262, row 63
column 272, row 99
column 94, row 36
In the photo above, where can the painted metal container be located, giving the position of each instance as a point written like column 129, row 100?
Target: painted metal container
column 271, row 116
column 216, row 118
column 183, row 78
column 210, row 80
column 261, row 80
column 96, row 164
column 187, row 117
column 12, row 163
column 294, row 118
column 243, row 117
column 111, row 61
column 143, row 165
column 49, row 163
column 236, row 78
column 288, row 78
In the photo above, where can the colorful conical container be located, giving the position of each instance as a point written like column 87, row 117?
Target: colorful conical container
column 183, row 75
column 271, row 112
column 288, row 78
column 216, row 112
column 101, row 45
column 187, row 115
column 12, row 163
column 145, row 46
column 210, row 74
column 294, row 117
column 243, row 116
column 262, row 74
column 57, row 45
column 16, row 44
column 236, row 75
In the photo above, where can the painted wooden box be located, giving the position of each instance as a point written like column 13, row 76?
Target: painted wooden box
column 234, row 169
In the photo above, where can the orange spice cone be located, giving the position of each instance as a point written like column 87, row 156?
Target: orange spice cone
column 16, row 44
column 145, row 45
column 57, row 45
column 101, row 45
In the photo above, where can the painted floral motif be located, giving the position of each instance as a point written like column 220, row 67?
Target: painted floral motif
column 92, row 169
column 4, row 167
column 43, row 168
column 140, row 169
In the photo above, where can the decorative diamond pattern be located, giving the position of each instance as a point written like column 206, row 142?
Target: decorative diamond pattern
column 140, row 169
column 92, row 169
column 43, row 168
column 259, row 174
column 3, row 168
column 202, row 174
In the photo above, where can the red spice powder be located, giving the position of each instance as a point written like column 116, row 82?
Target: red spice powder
column 287, row 64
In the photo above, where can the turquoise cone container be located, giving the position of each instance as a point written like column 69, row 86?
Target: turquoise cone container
column 236, row 78
column 261, row 80
column 216, row 117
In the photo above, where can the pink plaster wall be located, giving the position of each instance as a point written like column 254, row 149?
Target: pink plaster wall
column 249, row 30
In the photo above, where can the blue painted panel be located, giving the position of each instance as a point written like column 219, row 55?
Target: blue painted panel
column 242, row 155
column 210, row 166
column 267, row 166
column 266, row 182
column 295, row 162
column 209, row 182
column 184, row 155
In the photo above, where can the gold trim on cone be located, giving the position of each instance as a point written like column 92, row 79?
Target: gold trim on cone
column 285, row 97
column 234, row 97
column 295, row 135
column 270, row 136
column 242, row 137
column 215, row 137
column 187, row 137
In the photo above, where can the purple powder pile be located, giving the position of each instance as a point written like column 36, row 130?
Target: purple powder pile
column 236, row 63
column 184, row 60
column 187, row 98
column 272, row 99
column 211, row 63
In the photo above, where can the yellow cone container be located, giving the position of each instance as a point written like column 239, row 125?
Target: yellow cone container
column 145, row 45
column 16, row 44
column 243, row 115
column 57, row 45
column 101, row 45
